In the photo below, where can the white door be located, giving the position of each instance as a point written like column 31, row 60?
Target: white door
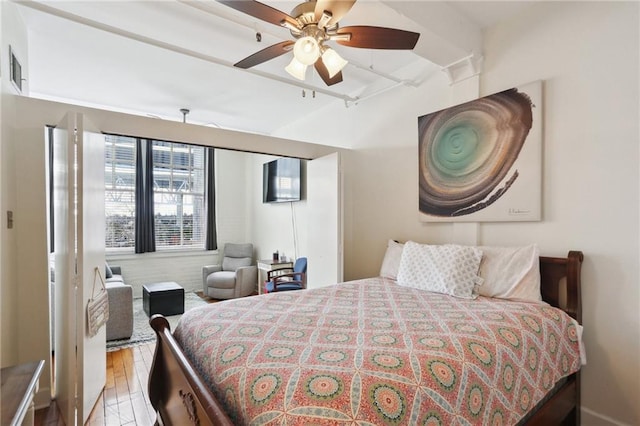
column 64, row 273
column 92, row 357
column 324, row 204
column 79, row 248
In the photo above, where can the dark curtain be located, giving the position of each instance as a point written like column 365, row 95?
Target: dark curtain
column 145, row 226
column 211, row 242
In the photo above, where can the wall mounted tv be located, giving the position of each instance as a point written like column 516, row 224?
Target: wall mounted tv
column 281, row 180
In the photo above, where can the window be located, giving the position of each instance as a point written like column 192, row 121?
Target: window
column 120, row 189
column 178, row 193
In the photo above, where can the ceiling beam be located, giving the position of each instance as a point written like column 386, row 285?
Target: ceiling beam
column 174, row 48
column 446, row 36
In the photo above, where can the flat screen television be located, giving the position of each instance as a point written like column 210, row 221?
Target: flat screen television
column 281, row 180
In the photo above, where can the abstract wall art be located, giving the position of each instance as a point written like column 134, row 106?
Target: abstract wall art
column 481, row 161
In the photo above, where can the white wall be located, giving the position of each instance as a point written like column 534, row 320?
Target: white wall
column 380, row 173
column 276, row 226
column 587, row 55
column 233, row 196
column 14, row 34
column 30, row 216
column 185, row 268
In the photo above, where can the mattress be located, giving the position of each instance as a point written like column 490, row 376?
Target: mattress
column 372, row 352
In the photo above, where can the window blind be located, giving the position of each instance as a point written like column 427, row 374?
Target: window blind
column 178, row 187
column 120, row 191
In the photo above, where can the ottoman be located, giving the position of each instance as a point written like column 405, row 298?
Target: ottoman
column 163, row 298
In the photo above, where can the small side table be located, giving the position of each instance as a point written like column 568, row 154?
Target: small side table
column 163, row 298
column 267, row 265
column 19, row 386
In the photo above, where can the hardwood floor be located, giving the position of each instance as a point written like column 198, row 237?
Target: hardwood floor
column 125, row 400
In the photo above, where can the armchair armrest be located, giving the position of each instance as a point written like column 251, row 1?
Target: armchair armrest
column 278, row 272
column 246, row 280
column 120, row 323
column 206, row 270
column 296, row 277
column 211, row 268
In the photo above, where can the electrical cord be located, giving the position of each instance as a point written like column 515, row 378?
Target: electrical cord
column 295, row 233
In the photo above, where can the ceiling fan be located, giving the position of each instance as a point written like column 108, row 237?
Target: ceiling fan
column 312, row 24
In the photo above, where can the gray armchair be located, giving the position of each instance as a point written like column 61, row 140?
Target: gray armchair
column 237, row 276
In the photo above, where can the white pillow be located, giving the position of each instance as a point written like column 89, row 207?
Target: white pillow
column 391, row 261
column 511, row 272
column 449, row 269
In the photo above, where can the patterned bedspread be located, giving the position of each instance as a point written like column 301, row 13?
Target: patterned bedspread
column 373, row 352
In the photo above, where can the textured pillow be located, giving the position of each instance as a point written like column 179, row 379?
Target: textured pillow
column 511, row 272
column 233, row 263
column 391, row 261
column 108, row 273
column 450, row 269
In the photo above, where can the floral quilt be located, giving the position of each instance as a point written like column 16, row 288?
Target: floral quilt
column 373, row 352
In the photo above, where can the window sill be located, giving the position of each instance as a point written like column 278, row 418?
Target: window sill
column 114, row 255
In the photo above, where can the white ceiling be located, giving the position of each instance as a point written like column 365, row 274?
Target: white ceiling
column 155, row 57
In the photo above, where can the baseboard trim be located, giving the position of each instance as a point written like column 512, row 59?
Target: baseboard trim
column 591, row 418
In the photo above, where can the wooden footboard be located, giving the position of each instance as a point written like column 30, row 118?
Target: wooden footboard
column 180, row 397
column 176, row 391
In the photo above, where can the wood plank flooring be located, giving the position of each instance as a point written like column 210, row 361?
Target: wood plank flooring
column 125, row 399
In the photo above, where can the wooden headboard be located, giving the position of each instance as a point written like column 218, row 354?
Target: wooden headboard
column 560, row 282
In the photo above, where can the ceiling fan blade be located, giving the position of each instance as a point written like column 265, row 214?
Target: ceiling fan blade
column 338, row 9
column 378, row 37
column 260, row 11
column 324, row 73
column 264, row 55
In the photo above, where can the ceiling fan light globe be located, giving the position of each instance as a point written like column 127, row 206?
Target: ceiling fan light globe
column 333, row 61
column 296, row 69
column 306, row 50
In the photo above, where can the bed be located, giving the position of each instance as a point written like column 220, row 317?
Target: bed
column 373, row 352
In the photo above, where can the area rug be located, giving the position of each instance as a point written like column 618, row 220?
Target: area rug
column 142, row 331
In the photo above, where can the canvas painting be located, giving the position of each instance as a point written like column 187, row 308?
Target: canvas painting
column 481, row 161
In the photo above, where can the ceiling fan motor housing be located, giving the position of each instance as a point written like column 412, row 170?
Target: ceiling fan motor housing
column 305, row 13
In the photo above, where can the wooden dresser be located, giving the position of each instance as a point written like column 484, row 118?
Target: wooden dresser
column 19, row 386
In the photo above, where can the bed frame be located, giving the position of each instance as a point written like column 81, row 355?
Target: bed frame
column 180, row 396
